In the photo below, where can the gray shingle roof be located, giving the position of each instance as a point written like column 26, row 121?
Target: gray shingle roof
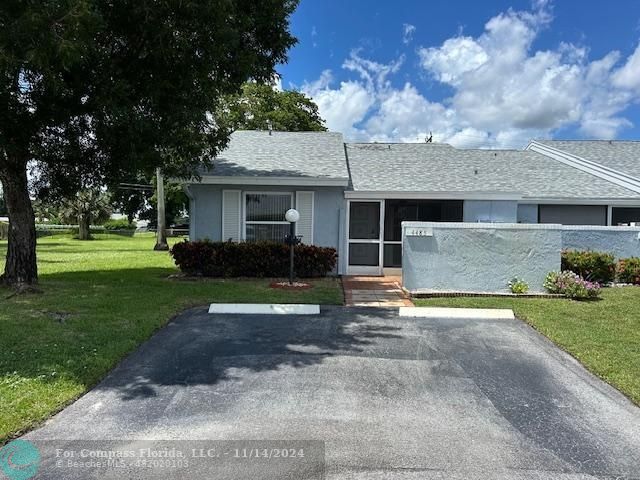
column 623, row 156
column 423, row 167
column 252, row 153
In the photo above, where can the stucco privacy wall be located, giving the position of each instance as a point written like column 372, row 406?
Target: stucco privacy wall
column 622, row 242
column 206, row 208
column 468, row 257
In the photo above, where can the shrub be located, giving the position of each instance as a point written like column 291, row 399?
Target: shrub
column 260, row 259
column 518, row 286
column 4, row 230
column 119, row 224
column 594, row 266
column 629, row 270
column 571, row 285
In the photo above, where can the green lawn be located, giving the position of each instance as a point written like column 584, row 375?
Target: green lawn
column 101, row 299
column 604, row 335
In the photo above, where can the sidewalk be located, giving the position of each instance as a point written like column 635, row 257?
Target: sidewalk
column 374, row 292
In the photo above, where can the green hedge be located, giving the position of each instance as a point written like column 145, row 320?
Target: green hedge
column 593, row 266
column 260, row 259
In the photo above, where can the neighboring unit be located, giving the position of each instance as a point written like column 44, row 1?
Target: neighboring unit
column 354, row 196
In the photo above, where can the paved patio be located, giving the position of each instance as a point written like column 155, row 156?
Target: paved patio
column 360, row 291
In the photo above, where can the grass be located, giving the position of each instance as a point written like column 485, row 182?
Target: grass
column 604, row 335
column 101, row 299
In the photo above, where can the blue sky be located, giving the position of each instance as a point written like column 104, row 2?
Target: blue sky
column 475, row 73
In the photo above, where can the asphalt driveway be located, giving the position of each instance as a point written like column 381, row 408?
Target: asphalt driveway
column 389, row 397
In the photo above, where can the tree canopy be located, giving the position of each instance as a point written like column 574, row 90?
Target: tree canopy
column 94, row 91
column 259, row 104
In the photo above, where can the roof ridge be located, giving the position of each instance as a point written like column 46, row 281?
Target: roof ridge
column 600, row 140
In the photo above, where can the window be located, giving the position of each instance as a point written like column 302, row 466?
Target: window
column 264, row 216
column 625, row 216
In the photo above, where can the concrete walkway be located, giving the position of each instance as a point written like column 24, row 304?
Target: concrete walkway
column 360, row 291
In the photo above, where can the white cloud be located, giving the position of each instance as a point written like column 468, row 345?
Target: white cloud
column 456, row 57
column 503, row 92
column 407, row 33
column 628, row 76
column 342, row 107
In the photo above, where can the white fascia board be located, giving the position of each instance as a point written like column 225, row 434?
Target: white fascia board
column 582, row 164
column 289, row 181
column 381, row 195
column 616, row 202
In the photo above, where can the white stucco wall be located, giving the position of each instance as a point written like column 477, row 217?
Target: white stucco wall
column 622, row 242
column 468, row 257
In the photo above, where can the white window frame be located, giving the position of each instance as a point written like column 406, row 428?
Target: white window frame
column 246, row 222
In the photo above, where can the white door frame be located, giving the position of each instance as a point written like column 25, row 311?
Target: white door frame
column 366, row 270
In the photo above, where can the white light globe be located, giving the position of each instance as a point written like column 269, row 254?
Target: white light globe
column 292, row 215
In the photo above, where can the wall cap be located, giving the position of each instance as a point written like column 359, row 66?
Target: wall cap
column 483, row 226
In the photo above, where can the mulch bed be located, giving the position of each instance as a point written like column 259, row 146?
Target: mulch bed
column 293, row 286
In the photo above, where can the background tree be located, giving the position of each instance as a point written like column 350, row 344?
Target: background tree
column 176, row 206
column 97, row 91
column 85, row 208
column 132, row 200
column 260, row 103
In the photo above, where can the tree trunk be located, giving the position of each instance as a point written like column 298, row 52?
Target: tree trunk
column 161, row 235
column 84, row 226
column 21, row 268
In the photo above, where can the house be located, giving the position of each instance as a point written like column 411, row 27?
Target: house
column 354, row 196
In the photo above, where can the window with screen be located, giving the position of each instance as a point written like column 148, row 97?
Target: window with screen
column 264, row 216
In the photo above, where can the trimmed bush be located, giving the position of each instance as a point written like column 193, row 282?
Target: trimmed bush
column 571, row 285
column 629, row 270
column 260, row 259
column 119, row 224
column 593, row 266
column 4, row 230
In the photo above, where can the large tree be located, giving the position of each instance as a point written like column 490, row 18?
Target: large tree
column 260, row 104
column 94, row 90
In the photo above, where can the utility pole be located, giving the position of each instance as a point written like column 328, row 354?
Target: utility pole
column 161, row 234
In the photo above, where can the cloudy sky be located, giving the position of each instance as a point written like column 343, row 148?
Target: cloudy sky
column 475, row 73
